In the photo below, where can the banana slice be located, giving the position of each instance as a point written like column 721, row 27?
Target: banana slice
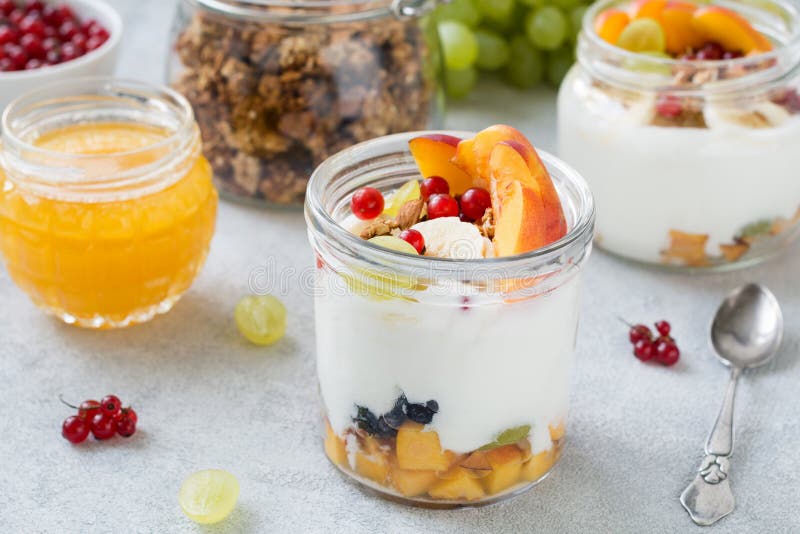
column 757, row 116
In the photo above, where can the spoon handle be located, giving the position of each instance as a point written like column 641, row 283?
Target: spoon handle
column 709, row 497
column 720, row 441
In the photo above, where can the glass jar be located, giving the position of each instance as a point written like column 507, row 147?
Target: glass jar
column 483, row 347
column 693, row 163
column 278, row 86
column 107, row 206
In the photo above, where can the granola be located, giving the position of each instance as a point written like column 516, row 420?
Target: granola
column 274, row 101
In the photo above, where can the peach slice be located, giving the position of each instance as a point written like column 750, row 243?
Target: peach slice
column 538, row 465
column 676, row 19
column 418, row 449
column 557, row 432
column 472, row 155
column 371, row 462
column 334, row 446
column 610, row 23
column 527, row 210
column 646, row 9
column 506, row 462
column 728, row 28
column 458, row 485
column 434, row 156
column 412, row 483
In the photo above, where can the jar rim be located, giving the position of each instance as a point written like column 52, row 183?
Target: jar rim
column 315, row 211
column 316, row 11
column 589, row 39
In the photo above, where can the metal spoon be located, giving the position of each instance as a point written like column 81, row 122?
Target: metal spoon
column 746, row 332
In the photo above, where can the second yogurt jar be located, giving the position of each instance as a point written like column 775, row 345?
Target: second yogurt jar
column 445, row 375
column 688, row 140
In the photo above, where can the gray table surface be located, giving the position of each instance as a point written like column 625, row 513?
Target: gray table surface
column 208, row 399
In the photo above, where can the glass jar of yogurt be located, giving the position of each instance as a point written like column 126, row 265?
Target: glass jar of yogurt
column 693, row 162
column 445, row 382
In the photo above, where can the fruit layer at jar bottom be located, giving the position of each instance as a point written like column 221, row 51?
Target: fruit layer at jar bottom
column 412, row 463
column 107, row 259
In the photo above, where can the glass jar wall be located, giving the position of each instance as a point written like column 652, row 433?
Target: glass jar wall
column 279, row 86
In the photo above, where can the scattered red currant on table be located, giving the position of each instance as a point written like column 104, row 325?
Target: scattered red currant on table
column 646, row 347
column 102, row 419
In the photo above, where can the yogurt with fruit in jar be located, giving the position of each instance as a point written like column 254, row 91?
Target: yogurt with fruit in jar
column 675, row 116
column 443, row 388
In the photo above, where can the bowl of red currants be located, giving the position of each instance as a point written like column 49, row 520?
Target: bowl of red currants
column 48, row 41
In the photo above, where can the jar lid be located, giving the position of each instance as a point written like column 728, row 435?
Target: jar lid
column 317, row 11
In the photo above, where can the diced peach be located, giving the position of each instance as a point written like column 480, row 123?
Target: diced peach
column 420, row 449
column 728, row 28
column 372, row 462
column 646, row 9
column 412, row 483
column 610, row 23
column 523, row 220
column 434, row 156
column 676, row 20
column 557, row 431
column 538, row 465
column 334, row 446
column 459, row 485
column 472, row 155
column 506, row 462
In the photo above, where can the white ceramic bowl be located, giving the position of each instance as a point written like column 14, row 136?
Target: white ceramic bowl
column 98, row 62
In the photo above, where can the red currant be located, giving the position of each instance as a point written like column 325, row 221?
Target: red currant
column 7, row 6
column 663, row 328
column 17, row 55
column 94, row 42
column 6, row 65
column 711, row 51
column 644, row 349
column 53, row 57
column 79, row 40
column 367, row 203
column 104, row 426
column 88, row 409
column 110, row 405
column 414, row 238
column 69, row 52
column 75, row 429
column 126, row 425
column 68, row 29
column 32, row 24
column 8, row 35
column 16, row 16
column 32, row 45
column 442, row 206
column 34, row 6
column 475, row 202
column 50, row 43
column 732, row 54
column 434, row 185
column 34, row 64
column 669, row 106
column 130, row 412
column 667, row 352
column 638, row 332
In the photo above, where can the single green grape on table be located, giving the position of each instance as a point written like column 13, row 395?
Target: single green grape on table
column 209, row 496
column 524, row 42
column 261, row 319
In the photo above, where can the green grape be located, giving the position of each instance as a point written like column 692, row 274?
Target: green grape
column 558, row 64
column 459, row 45
column 493, row 50
column 261, row 319
column 209, row 496
column 564, row 5
column 498, row 11
column 642, row 35
column 458, row 83
column 460, row 10
column 546, row 28
column 524, row 69
column 394, row 243
column 576, row 20
column 407, row 192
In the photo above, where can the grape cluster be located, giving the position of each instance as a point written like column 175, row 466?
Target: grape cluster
column 526, row 41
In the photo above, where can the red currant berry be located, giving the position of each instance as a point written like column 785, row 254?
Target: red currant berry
column 130, row 412
column 67, row 30
column 69, row 52
column 663, row 328
column 110, row 405
column 667, row 352
column 34, row 64
column 6, row 65
column 8, row 35
column 638, row 332
column 16, row 16
column 34, row 6
column 732, row 54
column 64, row 13
column 474, row 203
column 7, row 6
column 434, row 185
column 50, row 43
column 442, row 206
column 711, row 51
column 32, row 24
column 88, row 409
column 126, row 425
column 644, row 349
column 669, row 106
column 367, row 203
column 104, row 426
column 94, row 42
column 33, row 46
column 414, row 238
column 75, row 429
column 79, row 40
column 17, row 55
column 53, row 57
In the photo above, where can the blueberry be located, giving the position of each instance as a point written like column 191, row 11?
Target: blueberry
column 384, row 430
column 432, row 405
column 419, row 413
column 366, row 420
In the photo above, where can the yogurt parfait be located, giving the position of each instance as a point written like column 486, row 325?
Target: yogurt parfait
column 685, row 117
column 447, row 290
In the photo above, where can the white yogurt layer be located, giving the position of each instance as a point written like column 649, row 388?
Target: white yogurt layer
column 490, row 367
column 649, row 180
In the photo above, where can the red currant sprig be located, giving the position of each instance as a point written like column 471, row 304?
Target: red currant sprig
column 102, row 419
column 646, row 346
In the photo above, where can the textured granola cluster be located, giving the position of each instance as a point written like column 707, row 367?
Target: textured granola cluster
column 274, row 101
